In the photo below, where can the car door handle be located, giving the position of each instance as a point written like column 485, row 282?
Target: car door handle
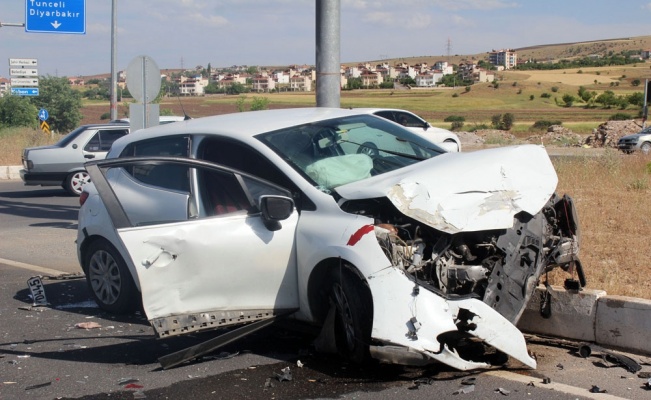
column 149, row 261
column 89, row 156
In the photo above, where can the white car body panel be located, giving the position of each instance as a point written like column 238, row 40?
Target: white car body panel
column 225, row 252
column 470, row 199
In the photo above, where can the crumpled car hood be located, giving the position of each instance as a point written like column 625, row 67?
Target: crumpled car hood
column 466, row 192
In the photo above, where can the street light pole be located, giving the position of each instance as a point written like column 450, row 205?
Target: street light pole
column 114, row 50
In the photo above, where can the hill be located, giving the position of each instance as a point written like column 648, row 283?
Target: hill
column 550, row 52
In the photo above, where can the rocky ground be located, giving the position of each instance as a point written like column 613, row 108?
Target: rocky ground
column 606, row 135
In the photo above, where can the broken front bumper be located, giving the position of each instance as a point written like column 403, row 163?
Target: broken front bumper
column 417, row 326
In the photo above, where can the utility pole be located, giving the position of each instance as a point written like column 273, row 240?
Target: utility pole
column 114, row 62
column 328, row 75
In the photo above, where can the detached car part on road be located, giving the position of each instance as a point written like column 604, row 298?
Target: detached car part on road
column 640, row 141
column 407, row 254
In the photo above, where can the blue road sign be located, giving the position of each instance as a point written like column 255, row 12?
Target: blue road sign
column 24, row 91
column 43, row 115
column 55, row 16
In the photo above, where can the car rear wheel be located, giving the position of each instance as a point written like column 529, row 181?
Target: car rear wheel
column 646, row 147
column 75, row 181
column 109, row 279
column 354, row 315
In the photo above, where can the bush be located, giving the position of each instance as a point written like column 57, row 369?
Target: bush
column 545, row 95
column 456, row 125
column 455, row 95
column 502, row 121
column 478, row 127
column 531, row 97
column 620, row 117
column 454, row 118
column 106, row 115
column 554, row 89
column 544, row 124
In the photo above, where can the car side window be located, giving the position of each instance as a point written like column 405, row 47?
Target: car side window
column 103, row 139
column 222, row 193
column 239, row 156
column 409, row 120
column 168, row 176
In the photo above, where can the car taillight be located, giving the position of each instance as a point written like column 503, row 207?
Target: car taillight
column 83, row 197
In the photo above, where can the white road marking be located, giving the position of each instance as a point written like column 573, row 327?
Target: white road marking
column 559, row 387
column 35, row 268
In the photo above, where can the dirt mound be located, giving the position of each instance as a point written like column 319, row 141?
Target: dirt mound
column 608, row 133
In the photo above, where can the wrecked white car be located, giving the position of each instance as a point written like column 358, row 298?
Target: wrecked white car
column 406, row 254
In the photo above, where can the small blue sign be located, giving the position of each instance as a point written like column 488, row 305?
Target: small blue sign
column 43, row 115
column 55, row 16
column 24, row 91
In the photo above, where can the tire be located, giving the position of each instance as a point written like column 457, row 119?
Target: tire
column 75, row 181
column 353, row 317
column 109, row 280
column 646, row 148
column 369, row 149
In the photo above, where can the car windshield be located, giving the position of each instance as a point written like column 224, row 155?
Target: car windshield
column 339, row 151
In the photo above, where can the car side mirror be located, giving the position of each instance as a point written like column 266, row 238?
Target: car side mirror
column 275, row 209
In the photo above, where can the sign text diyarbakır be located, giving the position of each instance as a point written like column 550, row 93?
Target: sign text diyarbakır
column 52, row 9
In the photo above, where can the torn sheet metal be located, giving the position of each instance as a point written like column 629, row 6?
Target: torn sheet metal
column 420, row 320
column 467, row 192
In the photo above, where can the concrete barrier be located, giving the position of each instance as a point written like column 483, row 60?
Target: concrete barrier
column 592, row 316
column 625, row 323
column 10, row 172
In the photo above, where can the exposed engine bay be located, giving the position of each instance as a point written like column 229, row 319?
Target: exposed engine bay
column 500, row 267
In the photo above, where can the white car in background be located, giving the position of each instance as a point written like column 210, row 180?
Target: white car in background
column 405, row 254
column 442, row 137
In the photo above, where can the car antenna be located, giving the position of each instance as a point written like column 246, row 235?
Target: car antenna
column 186, row 116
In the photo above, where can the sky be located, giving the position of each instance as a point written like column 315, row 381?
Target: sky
column 189, row 33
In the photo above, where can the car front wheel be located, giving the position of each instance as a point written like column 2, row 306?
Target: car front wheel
column 75, row 181
column 109, row 279
column 646, row 147
column 354, row 315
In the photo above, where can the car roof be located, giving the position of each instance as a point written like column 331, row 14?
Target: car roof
column 373, row 110
column 248, row 123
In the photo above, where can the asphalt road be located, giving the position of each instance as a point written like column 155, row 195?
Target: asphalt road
column 46, row 354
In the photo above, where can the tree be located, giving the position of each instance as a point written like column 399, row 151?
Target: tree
column 236, row 88
column 568, row 99
column 259, row 103
column 503, row 121
column 607, row 99
column 18, row 111
column 61, row 101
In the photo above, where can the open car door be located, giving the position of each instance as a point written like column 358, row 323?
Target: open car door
column 211, row 246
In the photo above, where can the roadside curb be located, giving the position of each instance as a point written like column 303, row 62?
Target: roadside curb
column 10, row 172
column 592, row 316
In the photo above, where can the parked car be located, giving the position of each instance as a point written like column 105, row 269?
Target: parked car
column 407, row 255
column 443, row 137
column 62, row 164
column 640, row 141
column 162, row 120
